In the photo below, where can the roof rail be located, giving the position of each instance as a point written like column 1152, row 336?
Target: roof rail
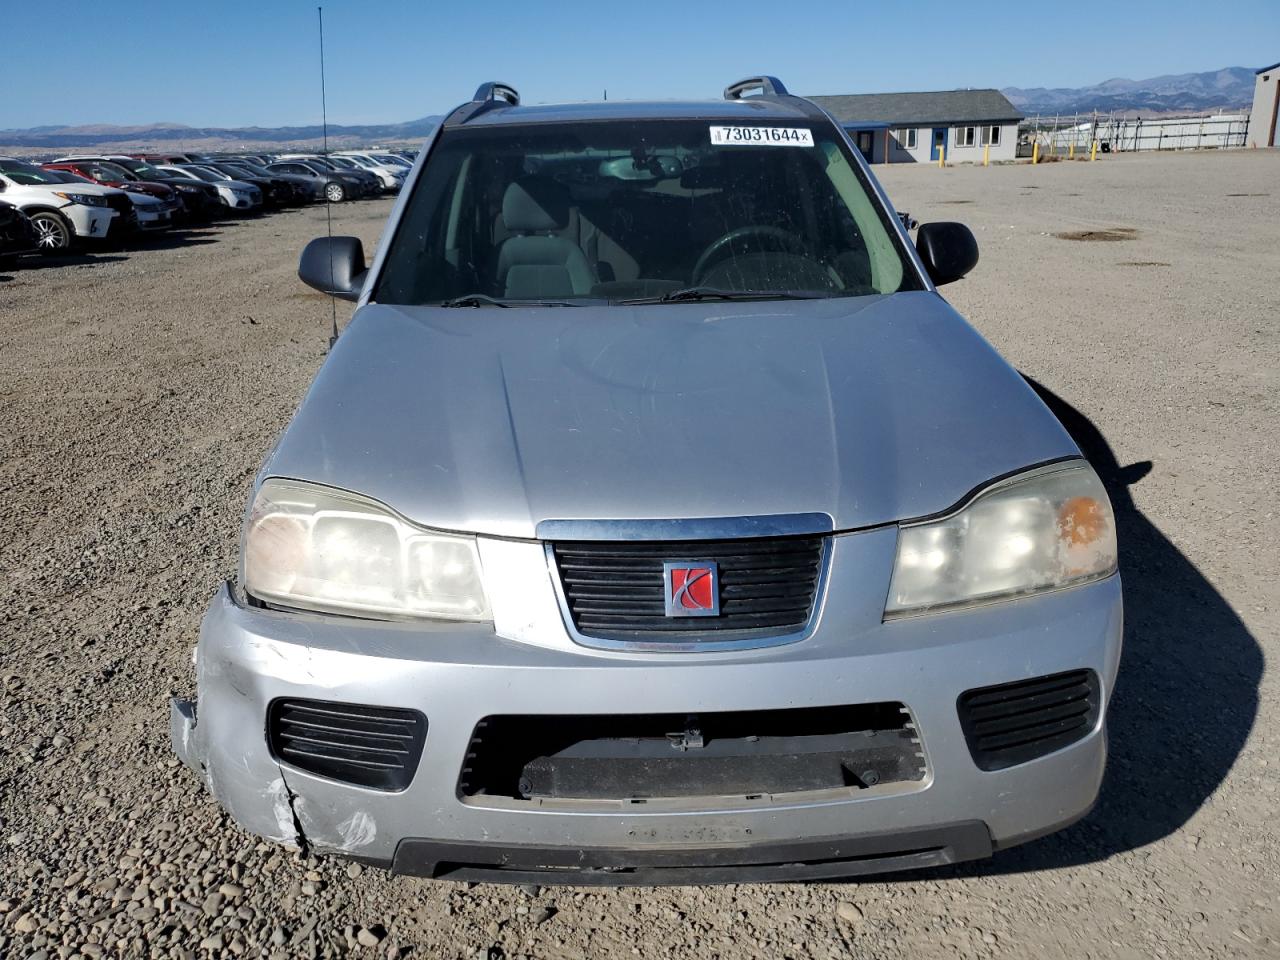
column 488, row 96
column 494, row 90
column 768, row 87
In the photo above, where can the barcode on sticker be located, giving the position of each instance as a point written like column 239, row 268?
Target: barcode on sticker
column 761, row 136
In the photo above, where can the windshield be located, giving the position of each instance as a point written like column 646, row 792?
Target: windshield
column 390, row 161
column 137, row 167
column 228, row 169
column 204, row 173
column 145, row 171
column 103, row 170
column 343, row 163
column 27, row 174
column 641, row 210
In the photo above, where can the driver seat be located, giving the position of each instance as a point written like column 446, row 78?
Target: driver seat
column 538, row 261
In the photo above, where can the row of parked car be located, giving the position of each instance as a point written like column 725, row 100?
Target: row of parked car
column 52, row 207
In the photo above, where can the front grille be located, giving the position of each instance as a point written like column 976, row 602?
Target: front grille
column 375, row 747
column 1016, row 722
column 119, row 202
column 615, row 590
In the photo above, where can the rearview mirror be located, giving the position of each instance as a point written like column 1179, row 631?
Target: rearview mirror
column 334, row 265
column 948, row 250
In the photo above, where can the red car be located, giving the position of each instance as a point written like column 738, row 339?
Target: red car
column 113, row 175
column 164, row 209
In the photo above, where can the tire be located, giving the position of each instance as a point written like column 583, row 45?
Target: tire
column 53, row 233
column 334, row 192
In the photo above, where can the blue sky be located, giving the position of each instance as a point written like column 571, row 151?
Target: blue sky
column 233, row 63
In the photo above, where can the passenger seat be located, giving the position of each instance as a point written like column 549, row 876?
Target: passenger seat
column 538, row 261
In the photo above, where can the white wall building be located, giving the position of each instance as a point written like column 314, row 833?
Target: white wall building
column 917, row 127
column 1266, row 108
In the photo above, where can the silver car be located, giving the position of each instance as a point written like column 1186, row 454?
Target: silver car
column 656, row 521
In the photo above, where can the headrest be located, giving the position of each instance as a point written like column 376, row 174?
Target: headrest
column 535, row 204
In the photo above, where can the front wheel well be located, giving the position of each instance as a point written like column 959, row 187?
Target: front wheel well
column 41, row 208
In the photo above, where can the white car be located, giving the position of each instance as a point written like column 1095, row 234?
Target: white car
column 391, row 174
column 389, row 179
column 391, row 160
column 152, row 212
column 386, row 159
column 63, row 208
column 235, row 194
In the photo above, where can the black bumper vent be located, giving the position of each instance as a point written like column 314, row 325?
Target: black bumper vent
column 615, row 590
column 375, row 747
column 656, row 758
column 1016, row 722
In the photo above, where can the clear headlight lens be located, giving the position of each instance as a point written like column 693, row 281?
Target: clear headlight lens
column 1049, row 528
column 316, row 548
column 88, row 199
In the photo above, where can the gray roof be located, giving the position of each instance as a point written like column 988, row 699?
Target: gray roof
column 943, row 106
column 746, row 110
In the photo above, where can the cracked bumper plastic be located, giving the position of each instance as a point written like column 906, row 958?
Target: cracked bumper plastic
column 458, row 674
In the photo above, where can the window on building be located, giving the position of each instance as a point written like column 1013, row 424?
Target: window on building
column 906, row 138
column 966, row 136
column 993, row 135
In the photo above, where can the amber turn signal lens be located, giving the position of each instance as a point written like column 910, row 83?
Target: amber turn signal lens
column 1081, row 520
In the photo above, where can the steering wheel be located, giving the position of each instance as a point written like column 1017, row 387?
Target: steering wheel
column 789, row 242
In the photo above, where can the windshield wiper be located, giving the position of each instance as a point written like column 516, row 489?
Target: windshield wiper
column 692, row 294
column 473, row 300
column 484, row 300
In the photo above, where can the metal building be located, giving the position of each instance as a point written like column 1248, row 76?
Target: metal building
column 1266, row 107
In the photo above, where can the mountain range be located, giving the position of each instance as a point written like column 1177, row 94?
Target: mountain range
column 1229, row 88
column 177, row 137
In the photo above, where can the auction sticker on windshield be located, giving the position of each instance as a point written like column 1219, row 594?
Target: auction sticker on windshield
column 753, row 136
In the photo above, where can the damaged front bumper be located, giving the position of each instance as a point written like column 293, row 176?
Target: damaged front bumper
column 460, row 675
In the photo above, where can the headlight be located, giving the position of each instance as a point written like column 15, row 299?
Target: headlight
column 1041, row 530
column 316, row 548
column 88, row 199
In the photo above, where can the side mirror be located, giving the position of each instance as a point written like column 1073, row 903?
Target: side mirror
column 948, row 250
column 334, row 265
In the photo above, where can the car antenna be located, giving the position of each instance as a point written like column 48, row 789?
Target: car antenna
column 328, row 204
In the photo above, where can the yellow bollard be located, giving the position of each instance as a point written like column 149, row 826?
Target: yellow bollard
column 1093, row 153
column 1071, row 151
column 1035, row 152
column 942, row 157
column 986, row 154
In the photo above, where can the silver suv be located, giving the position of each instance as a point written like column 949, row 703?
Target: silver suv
column 655, row 521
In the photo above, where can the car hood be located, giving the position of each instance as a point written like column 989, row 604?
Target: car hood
column 150, row 187
column 144, row 201
column 869, row 410
column 87, row 188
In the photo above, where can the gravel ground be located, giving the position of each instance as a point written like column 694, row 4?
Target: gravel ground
column 138, row 391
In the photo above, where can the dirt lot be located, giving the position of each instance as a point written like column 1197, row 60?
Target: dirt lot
column 139, row 390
